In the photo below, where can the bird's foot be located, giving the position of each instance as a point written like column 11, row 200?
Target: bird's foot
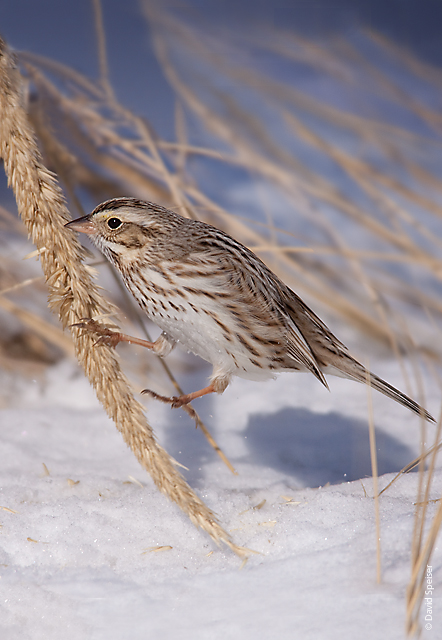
column 106, row 336
column 179, row 401
column 174, row 401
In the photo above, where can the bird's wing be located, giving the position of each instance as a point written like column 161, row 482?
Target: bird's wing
column 259, row 293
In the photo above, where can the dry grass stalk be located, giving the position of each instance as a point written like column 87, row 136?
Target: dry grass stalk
column 412, row 465
column 144, row 153
column 73, row 295
column 101, row 46
column 422, row 546
column 416, row 586
column 374, row 470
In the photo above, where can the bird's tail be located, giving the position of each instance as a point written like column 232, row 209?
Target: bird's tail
column 348, row 367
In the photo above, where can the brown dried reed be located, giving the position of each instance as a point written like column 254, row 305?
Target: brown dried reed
column 73, row 295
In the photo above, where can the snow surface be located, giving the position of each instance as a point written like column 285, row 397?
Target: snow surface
column 78, row 555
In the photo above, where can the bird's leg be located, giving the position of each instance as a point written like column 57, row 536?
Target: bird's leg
column 108, row 336
column 218, row 385
column 178, row 401
column 162, row 346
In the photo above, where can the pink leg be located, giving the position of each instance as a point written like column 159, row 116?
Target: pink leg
column 109, row 337
column 112, row 338
column 178, row 401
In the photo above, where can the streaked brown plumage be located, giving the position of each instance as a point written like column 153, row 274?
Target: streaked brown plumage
column 216, row 298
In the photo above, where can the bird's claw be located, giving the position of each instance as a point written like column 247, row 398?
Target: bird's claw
column 107, row 336
column 175, row 401
column 110, row 340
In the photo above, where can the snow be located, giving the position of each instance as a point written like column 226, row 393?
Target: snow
column 89, row 548
column 78, row 546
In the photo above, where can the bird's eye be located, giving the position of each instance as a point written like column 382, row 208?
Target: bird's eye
column 114, row 223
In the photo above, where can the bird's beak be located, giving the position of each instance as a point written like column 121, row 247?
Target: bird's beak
column 84, row 225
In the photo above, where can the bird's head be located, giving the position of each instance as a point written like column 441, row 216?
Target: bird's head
column 122, row 225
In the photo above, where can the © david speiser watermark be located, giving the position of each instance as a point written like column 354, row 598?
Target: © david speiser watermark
column 428, row 598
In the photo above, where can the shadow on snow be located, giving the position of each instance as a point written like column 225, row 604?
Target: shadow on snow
column 320, row 448
column 312, row 448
